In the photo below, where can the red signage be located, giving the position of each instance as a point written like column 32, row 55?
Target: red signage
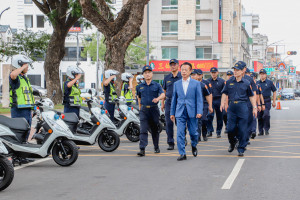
column 75, row 30
column 220, row 31
column 258, row 66
column 204, row 65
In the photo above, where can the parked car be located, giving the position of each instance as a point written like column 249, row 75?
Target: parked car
column 288, row 94
column 85, row 92
column 297, row 92
column 41, row 90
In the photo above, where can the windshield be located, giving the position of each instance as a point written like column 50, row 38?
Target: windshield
column 84, row 91
column 288, row 90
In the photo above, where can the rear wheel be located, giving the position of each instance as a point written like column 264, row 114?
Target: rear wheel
column 6, row 173
column 65, row 153
column 133, row 132
column 108, row 140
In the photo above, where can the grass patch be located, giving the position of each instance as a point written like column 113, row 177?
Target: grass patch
column 4, row 110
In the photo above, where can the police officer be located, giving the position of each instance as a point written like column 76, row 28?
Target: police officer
column 207, row 104
column 20, row 91
column 229, row 74
column 264, row 116
column 139, row 79
column 149, row 94
column 127, row 87
column 238, row 91
column 72, row 99
column 260, row 105
column 217, row 86
column 168, row 83
column 110, row 92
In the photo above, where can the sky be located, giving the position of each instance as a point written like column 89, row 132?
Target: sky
column 279, row 20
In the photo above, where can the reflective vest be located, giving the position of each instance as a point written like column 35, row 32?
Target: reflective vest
column 22, row 97
column 128, row 96
column 74, row 98
column 112, row 93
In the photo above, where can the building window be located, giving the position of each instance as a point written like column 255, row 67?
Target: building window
column 204, row 53
column 27, row 1
column 169, row 28
column 198, row 4
column 40, row 21
column 169, row 4
column 28, row 21
column 71, row 52
column 169, row 53
column 198, row 27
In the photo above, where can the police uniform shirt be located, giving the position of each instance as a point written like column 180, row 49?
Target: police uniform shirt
column 238, row 91
column 259, row 90
column 266, row 86
column 168, row 83
column 206, row 82
column 15, row 84
column 217, row 87
column 205, row 92
column 148, row 92
column 252, row 83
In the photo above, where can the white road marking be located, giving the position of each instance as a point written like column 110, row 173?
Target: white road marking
column 228, row 183
column 33, row 163
column 285, row 108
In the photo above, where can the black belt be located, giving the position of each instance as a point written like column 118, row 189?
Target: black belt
column 149, row 106
column 236, row 102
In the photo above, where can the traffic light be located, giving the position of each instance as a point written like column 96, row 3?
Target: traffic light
column 292, row 53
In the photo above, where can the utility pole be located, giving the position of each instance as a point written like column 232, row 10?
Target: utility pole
column 147, row 51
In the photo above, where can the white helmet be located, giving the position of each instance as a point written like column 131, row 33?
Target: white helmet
column 73, row 70
column 139, row 79
column 19, row 60
column 110, row 72
column 126, row 76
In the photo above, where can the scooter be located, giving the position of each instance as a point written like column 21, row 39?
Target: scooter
column 57, row 141
column 6, row 168
column 126, row 121
column 92, row 127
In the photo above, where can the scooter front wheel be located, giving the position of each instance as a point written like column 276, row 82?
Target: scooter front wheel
column 108, row 140
column 65, row 153
column 133, row 132
column 6, row 173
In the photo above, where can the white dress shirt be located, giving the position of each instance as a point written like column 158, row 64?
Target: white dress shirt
column 185, row 85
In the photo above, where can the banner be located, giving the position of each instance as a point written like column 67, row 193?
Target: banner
column 257, row 66
column 204, row 65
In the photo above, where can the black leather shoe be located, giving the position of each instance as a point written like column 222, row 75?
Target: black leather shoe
column 156, row 150
column 261, row 133
column 141, row 153
column 241, row 154
column 267, row 132
column 182, row 157
column 209, row 134
column 205, row 138
column 24, row 161
column 249, row 143
column 218, row 136
column 194, row 151
column 253, row 135
column 231, row 148
column 171, row 147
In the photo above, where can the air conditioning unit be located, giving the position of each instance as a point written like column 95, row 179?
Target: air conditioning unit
column 216, row 56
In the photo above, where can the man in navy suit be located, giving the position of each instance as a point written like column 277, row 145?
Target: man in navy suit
column 186, row 107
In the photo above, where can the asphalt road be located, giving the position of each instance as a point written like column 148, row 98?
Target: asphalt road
column 269, row 170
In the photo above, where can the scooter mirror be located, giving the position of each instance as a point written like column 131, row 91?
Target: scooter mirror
column 90, row 92
column 53, row 94
column 36, row 93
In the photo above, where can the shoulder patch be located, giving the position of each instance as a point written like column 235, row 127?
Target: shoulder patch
column 209, row 85
column 206, row 87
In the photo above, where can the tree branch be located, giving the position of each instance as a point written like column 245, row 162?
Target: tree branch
column 123, row 16
column 43, row 7
column 93, row 16
column 105, row 11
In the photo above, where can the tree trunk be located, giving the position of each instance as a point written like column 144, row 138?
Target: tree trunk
column 55, row 53
column 114, row 59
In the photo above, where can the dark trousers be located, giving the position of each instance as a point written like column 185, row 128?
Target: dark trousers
column 250, row 120
column 216, row 106
column 225, row 118
column 202, row 122
column 237, row 124
column 264, row 118
column 169, row 122
column 25, row 113
column 110, row 107
column 254, row 125
column 72, row 109
column 149, row 118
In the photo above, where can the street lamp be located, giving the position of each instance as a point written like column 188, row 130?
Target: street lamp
column 4, row 11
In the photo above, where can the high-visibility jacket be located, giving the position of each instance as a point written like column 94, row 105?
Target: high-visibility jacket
column 73, row 99
column 22, row 97
column 128, row 95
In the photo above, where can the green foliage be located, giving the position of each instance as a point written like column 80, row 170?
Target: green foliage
column 134, row 54
column 32, row 44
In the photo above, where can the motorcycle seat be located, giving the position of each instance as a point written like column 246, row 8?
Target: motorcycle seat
column 15, row 123
column 85, row 108
column 71, row 117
